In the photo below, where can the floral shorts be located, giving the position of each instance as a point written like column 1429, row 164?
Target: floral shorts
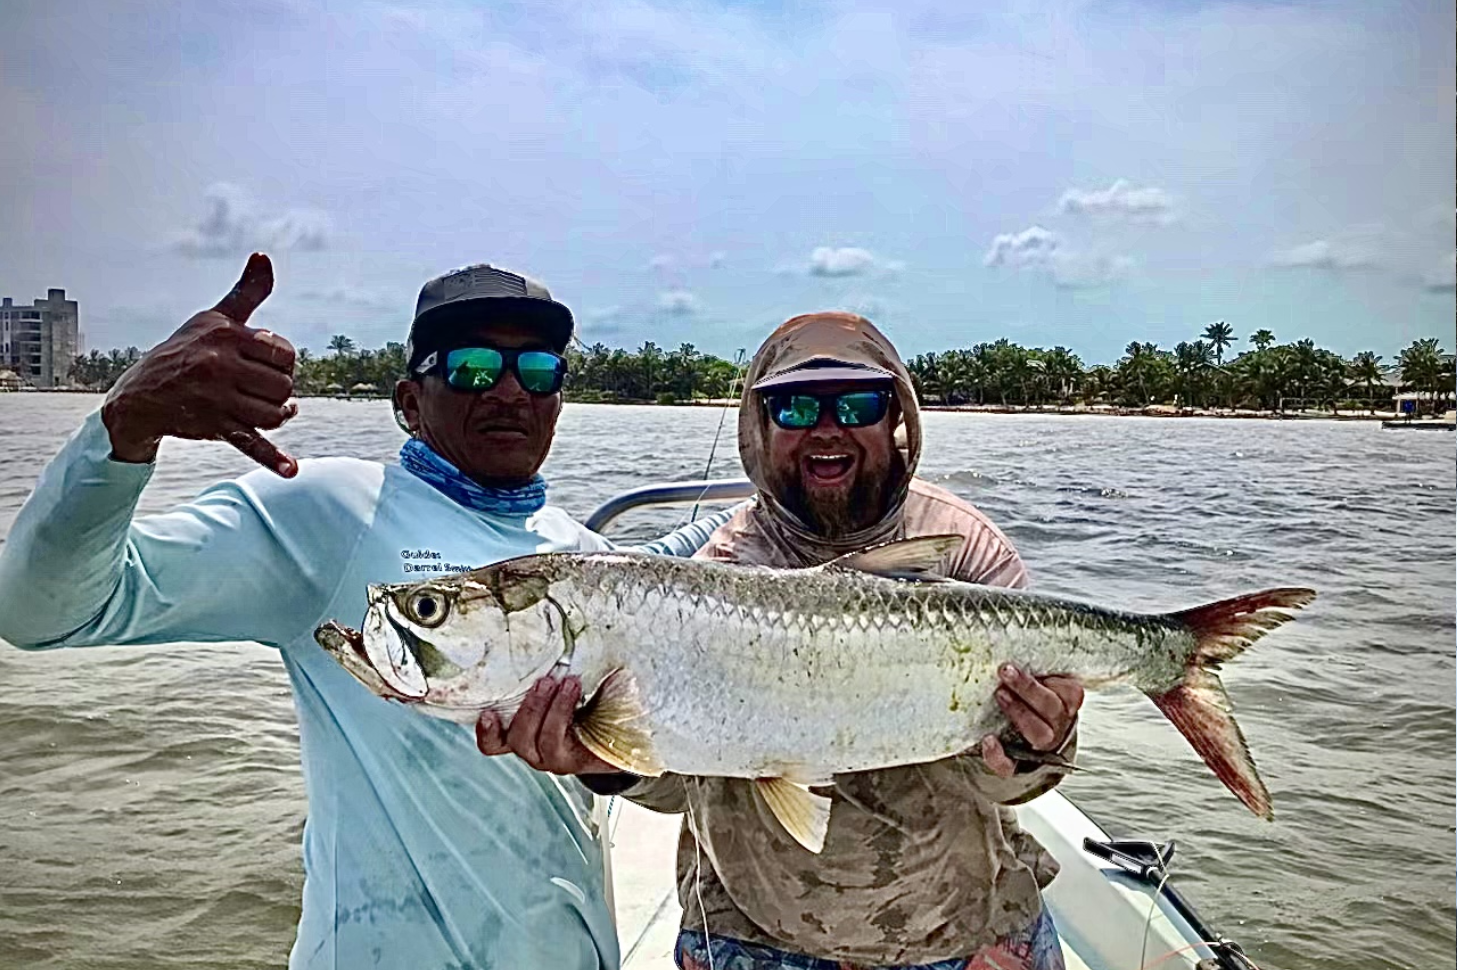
column 1035, row 948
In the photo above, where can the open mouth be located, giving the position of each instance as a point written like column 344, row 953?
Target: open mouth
column 346, row 644
column 827, row 469
column 340, row 639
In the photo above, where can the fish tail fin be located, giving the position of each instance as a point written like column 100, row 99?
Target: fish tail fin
column 1199, row 706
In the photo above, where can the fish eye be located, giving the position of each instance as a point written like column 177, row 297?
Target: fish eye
column 426, row 608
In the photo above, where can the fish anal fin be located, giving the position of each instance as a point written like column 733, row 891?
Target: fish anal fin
column 1200, row 709
column 918, row 558
column 804, row 815
column 613, row 726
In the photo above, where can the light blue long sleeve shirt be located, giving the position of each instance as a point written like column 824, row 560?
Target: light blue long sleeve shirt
column 418, row 851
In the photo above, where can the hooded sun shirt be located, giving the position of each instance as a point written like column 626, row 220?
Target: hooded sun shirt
column 921, row 863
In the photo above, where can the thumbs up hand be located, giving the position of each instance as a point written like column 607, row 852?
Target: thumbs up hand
column 216, row 378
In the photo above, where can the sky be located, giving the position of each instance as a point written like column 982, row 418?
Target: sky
column 1057, row 172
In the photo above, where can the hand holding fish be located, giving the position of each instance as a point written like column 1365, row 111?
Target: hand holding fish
column 214, row 379
column 541, row 731
column 1042, row 710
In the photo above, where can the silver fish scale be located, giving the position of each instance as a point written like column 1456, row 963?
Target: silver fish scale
column 822, row 671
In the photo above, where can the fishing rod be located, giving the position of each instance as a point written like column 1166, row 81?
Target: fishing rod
column 735, row 391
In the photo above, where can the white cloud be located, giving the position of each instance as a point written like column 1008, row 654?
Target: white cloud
column 346, row 295
column 846, row 261
column 1325, row 254
column 234, row 227
column 1040, row 250
column 601, row 322
column 1033, row 246
column 679, row 303
column 1444, row 277
column 676, row 268
column 1121, row 201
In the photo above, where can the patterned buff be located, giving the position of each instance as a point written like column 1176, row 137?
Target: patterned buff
column 421, row 460
column 1035, row 948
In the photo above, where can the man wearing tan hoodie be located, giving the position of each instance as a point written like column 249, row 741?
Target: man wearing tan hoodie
column 923, row 866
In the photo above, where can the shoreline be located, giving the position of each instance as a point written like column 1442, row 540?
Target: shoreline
column 1097, row 411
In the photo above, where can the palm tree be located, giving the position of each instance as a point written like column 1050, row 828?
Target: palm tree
column 621, row 372
column 685, row 361
column 1145, row 366
column 915, row 367
column 1007, row 367
column 649, row 357
column 1099, row 382
column 1064, row 371
column 1220, row 335
column 1366, row 371
column 341, row 345
column 1422, row 367
column 954, row 375
column 1305, row 368
column 1333, row 379
column 1262, row 339
column 1192, row 362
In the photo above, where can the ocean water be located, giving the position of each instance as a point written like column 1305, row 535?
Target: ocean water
column 151, row 804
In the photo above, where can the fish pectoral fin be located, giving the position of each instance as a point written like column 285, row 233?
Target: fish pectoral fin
column 804, row 815
column 920, row 558
column 613, row 726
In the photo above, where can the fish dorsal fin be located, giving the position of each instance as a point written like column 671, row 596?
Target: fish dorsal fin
column 919, row 558
column 804, row 815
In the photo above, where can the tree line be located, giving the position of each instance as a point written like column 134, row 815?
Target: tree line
column 1269, row 376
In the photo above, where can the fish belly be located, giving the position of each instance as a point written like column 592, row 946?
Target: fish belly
column 765, row 692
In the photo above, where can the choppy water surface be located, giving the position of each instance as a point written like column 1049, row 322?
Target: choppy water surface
column 151, row 803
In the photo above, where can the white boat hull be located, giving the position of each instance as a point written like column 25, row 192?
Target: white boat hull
column 1100, row 909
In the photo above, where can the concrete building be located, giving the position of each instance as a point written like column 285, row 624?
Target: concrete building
column 39, row 341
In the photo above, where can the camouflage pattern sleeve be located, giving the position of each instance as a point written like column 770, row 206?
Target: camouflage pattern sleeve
column 668, row 794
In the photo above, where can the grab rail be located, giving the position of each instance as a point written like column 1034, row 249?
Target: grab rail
column 669, row 493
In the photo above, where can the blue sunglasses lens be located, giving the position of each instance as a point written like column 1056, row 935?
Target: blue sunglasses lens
column 795, row 410
column 540, row 372
column 474, row 368
column 855, row 409
column 860, row 408
column 480, row 368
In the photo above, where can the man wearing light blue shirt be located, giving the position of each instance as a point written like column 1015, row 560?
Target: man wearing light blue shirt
column 418, row 852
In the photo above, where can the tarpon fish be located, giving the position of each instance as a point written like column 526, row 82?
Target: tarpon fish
column 790, row 676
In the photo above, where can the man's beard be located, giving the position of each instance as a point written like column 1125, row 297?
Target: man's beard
column 837, row 513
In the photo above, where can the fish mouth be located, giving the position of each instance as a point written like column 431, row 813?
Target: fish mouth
column 346, row 645
column 827, row 469
column 339, row 639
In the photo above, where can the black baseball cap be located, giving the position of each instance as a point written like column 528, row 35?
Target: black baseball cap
column 473, row 294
